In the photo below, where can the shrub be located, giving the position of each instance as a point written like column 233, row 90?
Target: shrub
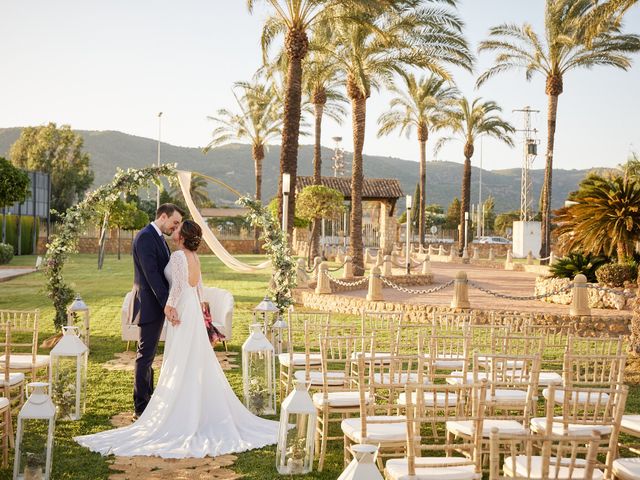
column 616, row 274
column 6, row 253
column 575, row 263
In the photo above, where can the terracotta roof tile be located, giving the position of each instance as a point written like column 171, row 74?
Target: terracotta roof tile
column 373, row 188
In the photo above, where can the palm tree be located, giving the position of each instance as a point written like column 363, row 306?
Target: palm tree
column 563, row 48
column 417, row 105
column 370, row 53
column 602, row 13
column 604, row 218
column 295, row 19
column 467, row 122
column 258, row 122
column 198, row 191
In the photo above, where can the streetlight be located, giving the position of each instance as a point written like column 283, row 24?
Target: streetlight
column 159, row 131
column 466, row 229
column 408, row 242
column 286, row 185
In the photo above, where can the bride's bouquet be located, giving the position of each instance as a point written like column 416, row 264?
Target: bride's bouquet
column 215, row 335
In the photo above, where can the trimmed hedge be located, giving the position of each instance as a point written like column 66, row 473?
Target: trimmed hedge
column 616, row 274
column 6, row 253
column 27, row 233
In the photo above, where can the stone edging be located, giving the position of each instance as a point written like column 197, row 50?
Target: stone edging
column 597, row 298
column 585, row 325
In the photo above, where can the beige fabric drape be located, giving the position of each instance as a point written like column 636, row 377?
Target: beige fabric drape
column 184, row 178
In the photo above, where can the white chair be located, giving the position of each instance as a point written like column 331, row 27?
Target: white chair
column 220, row 301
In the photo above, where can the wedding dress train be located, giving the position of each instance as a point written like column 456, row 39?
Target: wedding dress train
column 193, row 411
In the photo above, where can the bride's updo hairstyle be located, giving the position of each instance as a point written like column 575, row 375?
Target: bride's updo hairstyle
column 191, row 235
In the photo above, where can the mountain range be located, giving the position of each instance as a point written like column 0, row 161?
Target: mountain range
column 233, row 165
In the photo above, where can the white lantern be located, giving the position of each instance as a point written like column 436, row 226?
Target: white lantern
column 68, row 375
column 266, row 313
column 34, row 437
column 79, row 308
column 258, row 373
column 279, row 335
column 294, row 454
column 363, row 465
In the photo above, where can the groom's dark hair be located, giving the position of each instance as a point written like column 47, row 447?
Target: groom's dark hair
column 168, row 209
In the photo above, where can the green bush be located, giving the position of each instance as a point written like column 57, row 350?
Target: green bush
column 27, row 233
column 6, row 253
column 616, row 274
column 575, row 263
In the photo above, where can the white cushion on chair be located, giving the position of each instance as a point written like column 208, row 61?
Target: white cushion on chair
column 507, row 396
column 23, row 361
column 333, row 378
column 631, row 423
column 14, row 378
column 4, row 402
column 339, row 399
column 582, row 396
column 535, row 471
column 547, row 378
column 440, row 398
column 398, row 469
column 448, row 361
column 465, row 427
column 627, row 468
column 483, row 362
column 539, row 425
column 456, row 377
column 384, row 356
column 398, row 377
column 376, row 432
column 299, row 359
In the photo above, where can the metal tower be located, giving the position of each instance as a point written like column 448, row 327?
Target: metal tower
column 530, row 152
column 338, row 158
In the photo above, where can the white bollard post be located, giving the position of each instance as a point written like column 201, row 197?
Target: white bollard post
column 375, row 286
column 387, row 266
column 302, row 279
column 347, row 272
column 461, row 291
column 323, row 286
column 492, row 255
column 530, row 258
column 580, row 301
column 426, row 266
column 316, row 267
column 476, row 253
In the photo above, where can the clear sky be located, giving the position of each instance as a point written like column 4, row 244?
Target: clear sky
column 113, row 65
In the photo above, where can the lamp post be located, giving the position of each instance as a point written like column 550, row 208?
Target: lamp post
column 159, row 131
column 466, row 229
column 408, row 242
column 286, row 185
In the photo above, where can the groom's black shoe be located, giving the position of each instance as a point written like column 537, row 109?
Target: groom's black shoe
column 135, row 416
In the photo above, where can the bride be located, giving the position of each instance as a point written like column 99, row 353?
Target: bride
column 193, row 411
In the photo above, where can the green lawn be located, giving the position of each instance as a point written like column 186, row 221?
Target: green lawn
column 110, row 392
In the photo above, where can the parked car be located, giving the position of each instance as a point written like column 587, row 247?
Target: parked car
column 494, row 240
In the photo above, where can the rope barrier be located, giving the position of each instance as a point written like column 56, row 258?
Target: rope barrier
column 347, row 284
column 515, row 297
column 337, row 268
column 395, row 286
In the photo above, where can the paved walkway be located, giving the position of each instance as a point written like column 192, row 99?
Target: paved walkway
column 502, row 281
column 9, row 273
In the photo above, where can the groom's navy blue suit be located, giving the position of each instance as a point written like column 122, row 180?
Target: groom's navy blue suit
column 151, row 291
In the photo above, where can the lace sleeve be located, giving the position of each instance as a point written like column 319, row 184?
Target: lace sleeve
column 179, row 277
column 200, row 290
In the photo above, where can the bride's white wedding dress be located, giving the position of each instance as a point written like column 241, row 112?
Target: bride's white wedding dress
column 193, row 411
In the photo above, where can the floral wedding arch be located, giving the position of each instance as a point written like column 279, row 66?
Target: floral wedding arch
column 65, row 242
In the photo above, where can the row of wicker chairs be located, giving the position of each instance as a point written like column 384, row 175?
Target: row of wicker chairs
column 477, row 386
column 19, row 358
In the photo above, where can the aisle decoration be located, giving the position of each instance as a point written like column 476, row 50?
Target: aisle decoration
column 258, row 373
column 68, row 375
column 65, row 242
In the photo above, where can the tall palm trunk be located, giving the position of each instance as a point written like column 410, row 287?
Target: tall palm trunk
column 634, row 341
column 553, row 90
column 257, row 151
column 319, row 101
column 423, row 135
column 466, row 194
column 296, row 45
column 358, row 120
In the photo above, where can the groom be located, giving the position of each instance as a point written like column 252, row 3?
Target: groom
column 151, row 291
